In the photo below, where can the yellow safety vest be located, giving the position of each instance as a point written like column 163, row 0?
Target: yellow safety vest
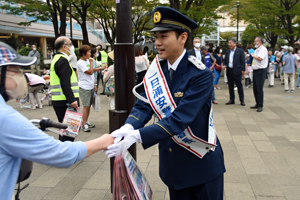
column 104, row 57
column 56, row 90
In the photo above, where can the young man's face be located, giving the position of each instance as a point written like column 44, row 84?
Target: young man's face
column 168, row 46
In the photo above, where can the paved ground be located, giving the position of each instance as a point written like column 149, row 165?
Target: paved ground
column 261, row 153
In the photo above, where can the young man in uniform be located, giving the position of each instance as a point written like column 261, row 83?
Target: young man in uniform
column 178, row 89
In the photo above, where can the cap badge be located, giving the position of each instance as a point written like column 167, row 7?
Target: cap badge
column 157, row 17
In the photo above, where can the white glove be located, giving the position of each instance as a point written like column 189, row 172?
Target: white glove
column 130, row 137
column 118, row 134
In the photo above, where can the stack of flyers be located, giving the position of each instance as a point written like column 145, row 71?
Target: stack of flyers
column 128, row 181
column 74, row 120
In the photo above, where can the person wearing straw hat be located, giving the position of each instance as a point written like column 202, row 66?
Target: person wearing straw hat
column 108, row 75
column 20, row 139
column 178, row 90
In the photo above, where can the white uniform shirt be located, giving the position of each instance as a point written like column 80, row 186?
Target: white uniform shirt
column 261, row 52
column 176, row 63
column 85, row 81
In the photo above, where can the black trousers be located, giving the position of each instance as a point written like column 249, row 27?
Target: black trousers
column 259, row 76
column 212, row 190
column 237, row 79
column 60, row 113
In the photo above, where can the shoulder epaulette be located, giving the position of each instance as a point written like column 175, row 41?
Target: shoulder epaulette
column 196, row 62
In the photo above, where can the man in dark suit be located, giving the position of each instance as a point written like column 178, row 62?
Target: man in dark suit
column 235, row 67
column 187, row 175
column 196, row 51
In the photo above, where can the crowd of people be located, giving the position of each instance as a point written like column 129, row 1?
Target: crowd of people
column 253, row 64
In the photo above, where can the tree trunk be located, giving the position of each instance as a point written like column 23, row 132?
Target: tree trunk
column 84, row 33
column 63, row 20
column 54, row 17
column 175, row 4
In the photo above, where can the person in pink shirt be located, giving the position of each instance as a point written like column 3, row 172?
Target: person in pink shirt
column 35, row 84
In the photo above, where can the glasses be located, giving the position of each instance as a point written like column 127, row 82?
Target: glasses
column 69, row 44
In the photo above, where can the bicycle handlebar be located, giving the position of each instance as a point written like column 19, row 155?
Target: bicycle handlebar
column 45, row 123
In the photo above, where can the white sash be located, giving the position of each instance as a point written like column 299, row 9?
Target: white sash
column 162, row 103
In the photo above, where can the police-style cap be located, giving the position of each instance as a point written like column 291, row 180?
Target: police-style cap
column 166, row 19
column 9, row 56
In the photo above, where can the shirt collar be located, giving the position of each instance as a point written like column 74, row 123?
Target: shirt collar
column 233, row 50
column 176, row 63
column 197, row 49
column 65, row 55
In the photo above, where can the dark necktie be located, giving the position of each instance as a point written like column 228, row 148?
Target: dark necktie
column 171, row 71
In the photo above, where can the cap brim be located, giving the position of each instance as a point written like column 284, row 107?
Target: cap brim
column 21, row 61
column 162, row 29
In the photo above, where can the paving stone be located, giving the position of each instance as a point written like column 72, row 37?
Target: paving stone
column 242, row 140
column 68, row 187
column 90, row 194
column 238, row 191
column 99, row 180
column 264, row 185
column 260, row 136
column 251, row 160
column 265, row 146
column 34, row 193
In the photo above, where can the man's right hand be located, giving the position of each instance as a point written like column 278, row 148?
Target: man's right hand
column 74, row 104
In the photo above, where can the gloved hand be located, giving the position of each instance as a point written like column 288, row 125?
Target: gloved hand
column 130, row 137
column 119, row 133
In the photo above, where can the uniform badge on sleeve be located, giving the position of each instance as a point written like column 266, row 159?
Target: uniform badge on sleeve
column 178, row 94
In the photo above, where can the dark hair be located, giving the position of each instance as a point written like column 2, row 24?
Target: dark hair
column 84, row 49
column 137, row 50
column 47, row 66
column 296, row 49
column 246, row 50
column 146, row 49
column 239, row 46
column 178, row 33
column 232, row 40
column 93, row 51
column 250, row 46
column 217, row 50
column 58, row 45
column 210, row 50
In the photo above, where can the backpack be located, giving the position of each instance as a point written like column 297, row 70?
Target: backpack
column 110, row 86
